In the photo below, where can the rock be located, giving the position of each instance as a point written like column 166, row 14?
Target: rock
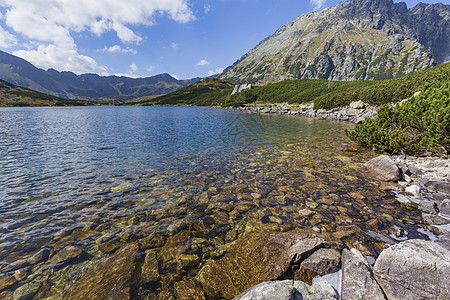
column 186, row 261
column 305, row 212
column 444, row 208
column 257, row 257
column 7, row 281
column 357, row 278
column 39, row 256
column 414, row 269
column 274, row 290
column 357, row 105
column 441, row 186
column 288, row 290
column 240, row 87
column 188, row 290
column 110, row 278
column 26, row 291
column 149, row 271
column 346, row 148
column 384, row 168
column 67, row 255
column 414, row 190
column 321, row 262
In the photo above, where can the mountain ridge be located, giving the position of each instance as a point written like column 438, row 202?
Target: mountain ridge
column 356, row 39
column 85, row 86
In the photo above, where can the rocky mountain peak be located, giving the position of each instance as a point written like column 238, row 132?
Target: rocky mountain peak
column 356, row 39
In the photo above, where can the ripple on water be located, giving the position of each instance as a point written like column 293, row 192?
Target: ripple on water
column 101, row 179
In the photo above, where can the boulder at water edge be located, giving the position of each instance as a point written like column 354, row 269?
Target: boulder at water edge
column 384, row 168
column 357, row 278
column 414, row 269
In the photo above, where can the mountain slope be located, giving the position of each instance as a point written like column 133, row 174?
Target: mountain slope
column 11, row 95
column 204, row 92
column 69, row 85
column 356, row 39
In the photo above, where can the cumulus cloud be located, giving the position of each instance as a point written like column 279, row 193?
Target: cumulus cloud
column 215, row 72
column 7, row 40
column 174, row 46
column 134, row 68
column 203, row 63
column 117, row 49
column 318, row 4
column 52, row 23
column 61, row 59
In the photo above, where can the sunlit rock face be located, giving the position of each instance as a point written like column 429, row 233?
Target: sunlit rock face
column 356, row 39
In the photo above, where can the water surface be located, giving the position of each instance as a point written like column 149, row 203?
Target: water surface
column 95, row 176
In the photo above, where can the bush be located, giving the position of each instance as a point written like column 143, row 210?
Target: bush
column 419, row 125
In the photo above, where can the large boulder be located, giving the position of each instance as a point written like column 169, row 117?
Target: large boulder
column 357, row 279
column 414, row 269
column 384, row 168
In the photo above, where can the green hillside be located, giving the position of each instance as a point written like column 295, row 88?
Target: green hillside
column 11, row 95
column 205, row 92
column 330, row 94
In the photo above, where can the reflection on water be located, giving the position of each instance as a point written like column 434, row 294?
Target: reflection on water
column 100, row 178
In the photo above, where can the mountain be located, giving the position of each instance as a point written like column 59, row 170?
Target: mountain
column 87, row 86
column 356, row 39
column 11, row 95
column 205, row 92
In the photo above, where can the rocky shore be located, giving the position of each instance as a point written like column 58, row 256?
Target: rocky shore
column 355, row 112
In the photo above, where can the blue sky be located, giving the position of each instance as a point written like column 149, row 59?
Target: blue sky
column 140, row 38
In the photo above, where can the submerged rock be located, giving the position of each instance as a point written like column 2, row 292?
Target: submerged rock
column 111, row 278
column 414, row 269
column 384, row 168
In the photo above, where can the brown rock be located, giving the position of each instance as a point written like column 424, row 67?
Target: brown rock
column 149, row 270
column 188, row 290
column 110, row 278
column 66, row 255
column 383, row 168
column 7, row 281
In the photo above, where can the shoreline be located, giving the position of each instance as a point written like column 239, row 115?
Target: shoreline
column 424, row 181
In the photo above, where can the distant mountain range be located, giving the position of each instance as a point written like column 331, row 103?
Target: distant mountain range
column 356, row 39
column 86, row 86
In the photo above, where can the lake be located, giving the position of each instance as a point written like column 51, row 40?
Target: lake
column 100, row 178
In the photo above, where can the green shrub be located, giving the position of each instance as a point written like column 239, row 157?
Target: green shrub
column 417, row 126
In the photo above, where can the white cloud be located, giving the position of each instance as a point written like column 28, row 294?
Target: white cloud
column 150, row 68
column 7, row 40
column 175, row 76
column 117, row 49
column 318, row 4
column 174, row 46
column 61, row 59
column 203, row 63
column 133, row 68
column 52, row 23
column 216, row 71
column 207, row 8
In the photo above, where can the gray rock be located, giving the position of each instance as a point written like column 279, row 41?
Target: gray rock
column 357, row 105
column 414, row 190
column 384, row 168
column 288, row 290
column 444, row 208
column 357, row 279
column 414, row 269
column 322, row 262
column 276, row 290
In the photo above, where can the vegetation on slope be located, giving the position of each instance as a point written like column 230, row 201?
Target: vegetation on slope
column 331, row 94
column 11, row 95
column 420, row 125
column 205, row 92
